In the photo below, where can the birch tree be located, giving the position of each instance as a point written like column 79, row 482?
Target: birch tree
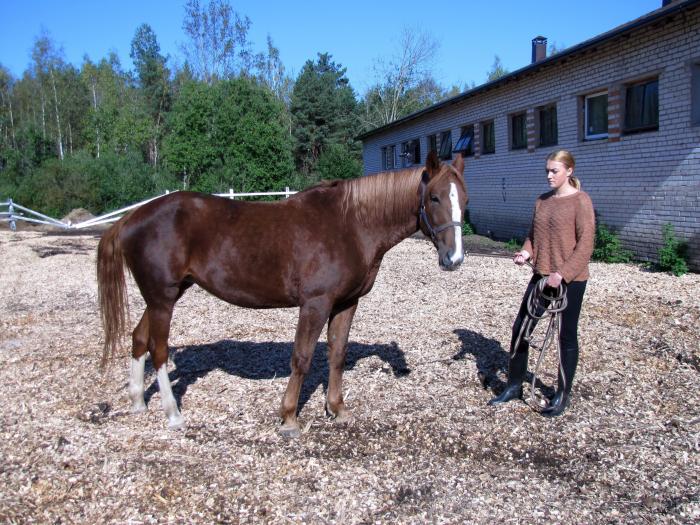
column 406, row 71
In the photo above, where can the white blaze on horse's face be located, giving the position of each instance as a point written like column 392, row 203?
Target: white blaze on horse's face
column 457, row 255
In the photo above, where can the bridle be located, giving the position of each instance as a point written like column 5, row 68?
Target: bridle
column 423, row 216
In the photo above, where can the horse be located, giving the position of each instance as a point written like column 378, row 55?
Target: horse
column 319, row 250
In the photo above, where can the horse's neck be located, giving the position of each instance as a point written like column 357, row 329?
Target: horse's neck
column 390, row 230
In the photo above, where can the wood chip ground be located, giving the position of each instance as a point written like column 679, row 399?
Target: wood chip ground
column 423, row 448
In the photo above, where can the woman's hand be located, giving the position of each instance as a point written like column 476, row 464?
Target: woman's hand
column 554, row 280
column 520, row 257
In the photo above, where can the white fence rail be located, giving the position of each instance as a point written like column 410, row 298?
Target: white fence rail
column 15, row 212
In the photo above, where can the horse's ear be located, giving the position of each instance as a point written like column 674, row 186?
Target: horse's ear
column 458, row 163
column 432, row 163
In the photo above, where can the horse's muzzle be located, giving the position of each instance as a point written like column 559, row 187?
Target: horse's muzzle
column 451, row 261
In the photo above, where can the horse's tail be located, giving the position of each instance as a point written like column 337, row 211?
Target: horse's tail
column 111, row 290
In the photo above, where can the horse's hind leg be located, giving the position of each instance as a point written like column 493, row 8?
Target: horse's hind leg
column 138, row 362
column 338, row 332
column 312, row 317
column 159, row 328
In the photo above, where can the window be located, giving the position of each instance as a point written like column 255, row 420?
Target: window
column 595, row 116
column 432, row 143
column 549, row 133
column 695, row 94
column 410, row 153
column 488, row 137
column 388, row 154
column 642, row 106
column 445, row 145
column 465, row 144
column 518, row 131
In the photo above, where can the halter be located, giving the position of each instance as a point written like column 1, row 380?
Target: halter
column 557, row 302
column 423, row 216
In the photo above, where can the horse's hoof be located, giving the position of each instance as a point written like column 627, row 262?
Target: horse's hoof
column 177, row 424
column 344, row 417
column 138, row 409
column 290, row 431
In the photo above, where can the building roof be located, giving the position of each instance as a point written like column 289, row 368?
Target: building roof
column 650, row 18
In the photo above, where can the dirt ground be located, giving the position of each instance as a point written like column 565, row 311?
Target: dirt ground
column 423, row 448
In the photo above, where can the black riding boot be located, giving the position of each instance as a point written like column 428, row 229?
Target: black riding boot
column 517, row 367
column 569, row 360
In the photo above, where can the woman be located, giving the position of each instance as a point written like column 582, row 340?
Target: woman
column 559, row 245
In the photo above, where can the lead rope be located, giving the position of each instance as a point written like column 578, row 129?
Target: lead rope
column 555, row 304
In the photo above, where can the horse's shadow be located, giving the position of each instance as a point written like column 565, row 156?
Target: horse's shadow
column 490, row 359
column 266, row 360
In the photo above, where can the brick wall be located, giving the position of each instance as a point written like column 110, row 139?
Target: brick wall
column 638, row 182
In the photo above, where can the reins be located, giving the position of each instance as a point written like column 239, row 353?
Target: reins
column 542, row 301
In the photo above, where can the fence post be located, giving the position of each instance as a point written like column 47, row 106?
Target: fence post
column 11, row 210
column 286, row 192
column 230, row 193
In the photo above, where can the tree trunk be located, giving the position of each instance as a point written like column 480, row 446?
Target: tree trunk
column 58, row 119
column 97, row 126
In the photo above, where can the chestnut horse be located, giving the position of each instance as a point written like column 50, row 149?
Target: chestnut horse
column 319, row 250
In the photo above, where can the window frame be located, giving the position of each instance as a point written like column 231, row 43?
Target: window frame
column 467, row 130
column 511, row 120
column 586, row 98
column 540, row 111
column 629, row 130
column 482, row 126
column 388, row 154
column 410, row 147
column 447, row 154
column 695, row 93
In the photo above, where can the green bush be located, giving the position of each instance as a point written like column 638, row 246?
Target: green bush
column 513, row 245
column 608, row 247
column 672, row 256
column 467, row 226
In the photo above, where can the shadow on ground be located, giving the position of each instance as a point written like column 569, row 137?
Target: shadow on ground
column 491, row 358
column 266, row 360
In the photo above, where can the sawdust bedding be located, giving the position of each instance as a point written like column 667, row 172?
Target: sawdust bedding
column 427, row 350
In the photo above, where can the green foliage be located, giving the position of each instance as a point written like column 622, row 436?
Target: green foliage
column 497, row 70
column 672, row 256
column 608, row 247
column 323, row 109
column 467, row 226
column 228, row 135
column 338, row 162
column 513, row 245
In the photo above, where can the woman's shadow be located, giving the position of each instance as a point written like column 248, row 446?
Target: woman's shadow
column 490, row 359
column 266, row 360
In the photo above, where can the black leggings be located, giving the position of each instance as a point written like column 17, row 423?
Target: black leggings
column 568, row 337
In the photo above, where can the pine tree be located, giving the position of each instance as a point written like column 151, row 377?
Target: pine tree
column 323, row 108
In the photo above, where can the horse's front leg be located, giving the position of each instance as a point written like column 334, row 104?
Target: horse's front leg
column 312, row 316
column 338, row 333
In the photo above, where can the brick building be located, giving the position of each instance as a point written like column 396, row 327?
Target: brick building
column 627, row 105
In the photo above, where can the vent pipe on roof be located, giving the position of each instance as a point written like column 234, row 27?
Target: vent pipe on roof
column 539, row 49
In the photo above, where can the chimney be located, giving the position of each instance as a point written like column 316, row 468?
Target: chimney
column 539, row 49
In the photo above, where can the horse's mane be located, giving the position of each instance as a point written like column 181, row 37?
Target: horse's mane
column 382, row 197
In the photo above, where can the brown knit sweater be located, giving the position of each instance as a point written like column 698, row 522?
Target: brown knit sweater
column 562, row 235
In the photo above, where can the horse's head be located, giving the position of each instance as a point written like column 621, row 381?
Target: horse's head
column 443, row 200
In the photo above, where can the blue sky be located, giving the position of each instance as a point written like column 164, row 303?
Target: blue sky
column 356, row 33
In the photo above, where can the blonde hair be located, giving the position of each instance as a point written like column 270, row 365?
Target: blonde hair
column 567, row 159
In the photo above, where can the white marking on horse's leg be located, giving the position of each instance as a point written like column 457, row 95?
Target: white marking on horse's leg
column 167, row 399
column 458, row 254
column 136, row 384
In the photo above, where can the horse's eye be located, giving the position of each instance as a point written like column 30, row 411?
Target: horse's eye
column 435, row 199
